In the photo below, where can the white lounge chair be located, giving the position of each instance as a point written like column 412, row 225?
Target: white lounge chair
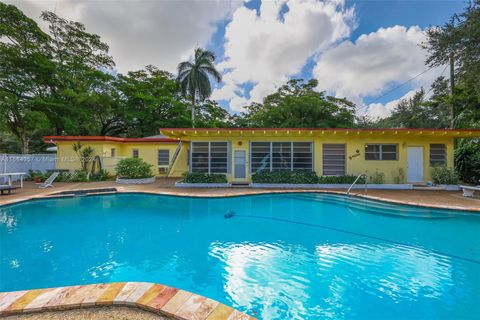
column 468, row 191
column 49, row 181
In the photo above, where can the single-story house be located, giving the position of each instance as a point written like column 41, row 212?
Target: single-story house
column 241, row 152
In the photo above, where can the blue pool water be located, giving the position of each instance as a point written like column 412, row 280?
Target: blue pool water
column 279, row 256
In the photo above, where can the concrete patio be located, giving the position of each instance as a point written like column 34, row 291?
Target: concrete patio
column 433, row 198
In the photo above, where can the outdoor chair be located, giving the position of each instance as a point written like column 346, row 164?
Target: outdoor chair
column 49, row 181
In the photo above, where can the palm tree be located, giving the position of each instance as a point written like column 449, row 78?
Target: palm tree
column 194, row 77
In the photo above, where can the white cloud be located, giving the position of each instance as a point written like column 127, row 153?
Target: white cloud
column 372, row 64
column 139, row 32
column 380, row 110
column 267, row 47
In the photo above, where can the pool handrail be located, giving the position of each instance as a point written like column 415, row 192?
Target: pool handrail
column 354, row 182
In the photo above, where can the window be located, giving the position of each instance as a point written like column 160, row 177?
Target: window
column 277, row 156
column 381, row 152
column 281, row 156
column 218, row 157
column 112, row 152
column 260, row 156
column 333, row 159
column 163, row 157
column 438, row 155
column 302, row 156
column 210, row 157
column 135, row 153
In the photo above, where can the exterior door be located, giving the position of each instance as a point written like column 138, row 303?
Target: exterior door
column 240, row 169
column 415, row 164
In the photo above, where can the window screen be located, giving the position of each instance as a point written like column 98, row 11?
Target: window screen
column 277, row 156
column 163, row 157
column 209, row 157
column 438, row 155
column 333, row 159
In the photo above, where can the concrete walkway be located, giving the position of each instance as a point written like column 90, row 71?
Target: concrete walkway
column 433, row 198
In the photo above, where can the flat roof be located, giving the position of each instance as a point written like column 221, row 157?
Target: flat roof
column 50, row 139
column 182, row 133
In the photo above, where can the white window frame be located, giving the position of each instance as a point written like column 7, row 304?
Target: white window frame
column 380, row 157
column 271, row 154
column 168, row 157
column 229, row 156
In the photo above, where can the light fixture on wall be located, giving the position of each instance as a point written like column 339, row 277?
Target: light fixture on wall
column 357, row 153
column 239, row 143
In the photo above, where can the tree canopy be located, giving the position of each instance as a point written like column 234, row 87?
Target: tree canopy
column 298, row 105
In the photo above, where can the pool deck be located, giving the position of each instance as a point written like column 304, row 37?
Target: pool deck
column 164, row 301
column 429, row 198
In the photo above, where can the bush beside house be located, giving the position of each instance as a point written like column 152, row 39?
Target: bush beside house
column 301, row 177
column 444, row 176
column 134, row 171
column 197, row 177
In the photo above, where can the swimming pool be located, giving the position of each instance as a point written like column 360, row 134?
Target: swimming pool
column 275, row 256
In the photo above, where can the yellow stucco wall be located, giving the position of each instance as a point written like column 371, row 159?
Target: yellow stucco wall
column 68, row 159
column 355, row 165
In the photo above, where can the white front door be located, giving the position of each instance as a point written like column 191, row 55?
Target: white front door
column 415, row 164
column 239, row 161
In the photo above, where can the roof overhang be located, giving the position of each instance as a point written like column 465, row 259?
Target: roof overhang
column 54, row 139
column 188, row 133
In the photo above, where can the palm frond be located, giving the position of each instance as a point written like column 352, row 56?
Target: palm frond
column 210, row 70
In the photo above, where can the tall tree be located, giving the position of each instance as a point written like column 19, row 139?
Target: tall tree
column 149, row 100
column 82, row 63
column 194, row 77
column 298, row 105
column 25, row 73
column 457, row 41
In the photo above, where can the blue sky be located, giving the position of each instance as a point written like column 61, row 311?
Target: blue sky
column 358, row 49
column 370, row 16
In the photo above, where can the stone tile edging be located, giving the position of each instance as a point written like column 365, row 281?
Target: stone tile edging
column 163, row 300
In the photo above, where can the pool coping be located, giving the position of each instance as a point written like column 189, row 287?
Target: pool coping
column 120, row 190
column 156, row 298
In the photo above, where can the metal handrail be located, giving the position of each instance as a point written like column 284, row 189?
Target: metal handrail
column 354, row 182
column 174, row 158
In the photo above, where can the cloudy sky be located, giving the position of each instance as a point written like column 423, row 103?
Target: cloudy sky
column 359, row 49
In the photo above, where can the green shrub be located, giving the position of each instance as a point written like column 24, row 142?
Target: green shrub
column 377, row 178
column 102, row 175
column 78, row 176
column 133, row 168
column 198, row 177
column 302, row 177
column 31, row 175
column 467, row 160
column 400, row 177
column 444, row 175
column 294, row 177
column 348, row 179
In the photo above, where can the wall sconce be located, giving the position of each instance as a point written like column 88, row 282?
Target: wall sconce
column 357, row 153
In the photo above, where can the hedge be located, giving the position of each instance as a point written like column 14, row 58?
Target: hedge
column 294, row 177
column 198, row 177
column 302, row 177
column 133, row 168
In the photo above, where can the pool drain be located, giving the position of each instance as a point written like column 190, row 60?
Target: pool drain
column 229, row 215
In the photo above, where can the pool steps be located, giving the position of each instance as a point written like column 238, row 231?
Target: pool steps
column 163, row 300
